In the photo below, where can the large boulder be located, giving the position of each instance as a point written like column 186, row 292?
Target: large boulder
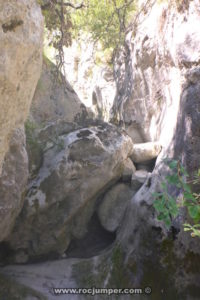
column 129, row 169
column 113, row 206
column 145, row 151
column 13, row 182
column 21, row 36
column 77, row 167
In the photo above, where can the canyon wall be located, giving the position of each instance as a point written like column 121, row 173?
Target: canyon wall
column 158, row 99
column 160, row 59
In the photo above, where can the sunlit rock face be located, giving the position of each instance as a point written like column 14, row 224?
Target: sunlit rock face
column 151, row 73
column 89, row 71
column 21, row 35
column 54, row 98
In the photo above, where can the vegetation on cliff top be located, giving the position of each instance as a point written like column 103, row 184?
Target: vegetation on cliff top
column 105, row 21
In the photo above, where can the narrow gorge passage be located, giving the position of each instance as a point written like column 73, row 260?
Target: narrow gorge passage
column 100, row 149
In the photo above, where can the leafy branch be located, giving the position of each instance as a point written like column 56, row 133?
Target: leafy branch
column 167, row 206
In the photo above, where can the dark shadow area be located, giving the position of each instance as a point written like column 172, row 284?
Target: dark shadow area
column 95, row 240
column 5, row 253
column 148, row 165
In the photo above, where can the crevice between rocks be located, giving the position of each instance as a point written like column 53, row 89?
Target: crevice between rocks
column 93, row 243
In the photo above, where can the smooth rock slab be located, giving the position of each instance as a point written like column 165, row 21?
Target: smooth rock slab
column 145, row 151
column 43, row 277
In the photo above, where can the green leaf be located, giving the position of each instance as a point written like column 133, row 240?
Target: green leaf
column 187, row 225
column 186, row 187
column 164, row 186
column 196, row 226
column 193, row 211
column 183, row 171
column 173, row 164
column 159, row 205
column 167, row 222
column 160, row 217
column 173, row 209
column 187, row 229
column 156, row 195
column 189, row 196
column 173, row 179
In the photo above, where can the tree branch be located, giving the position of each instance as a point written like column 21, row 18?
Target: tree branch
column 78, row 6
column 69, row 4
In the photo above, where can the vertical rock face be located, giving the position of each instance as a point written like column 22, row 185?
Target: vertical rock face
column 151, row 74
column 21, row 41
column 159, row 96
column 21, row 36
column 91, row 75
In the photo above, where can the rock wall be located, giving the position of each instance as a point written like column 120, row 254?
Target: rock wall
column 21, row 35
column 159, row 99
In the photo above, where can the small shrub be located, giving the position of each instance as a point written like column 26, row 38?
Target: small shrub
column 167, row 206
